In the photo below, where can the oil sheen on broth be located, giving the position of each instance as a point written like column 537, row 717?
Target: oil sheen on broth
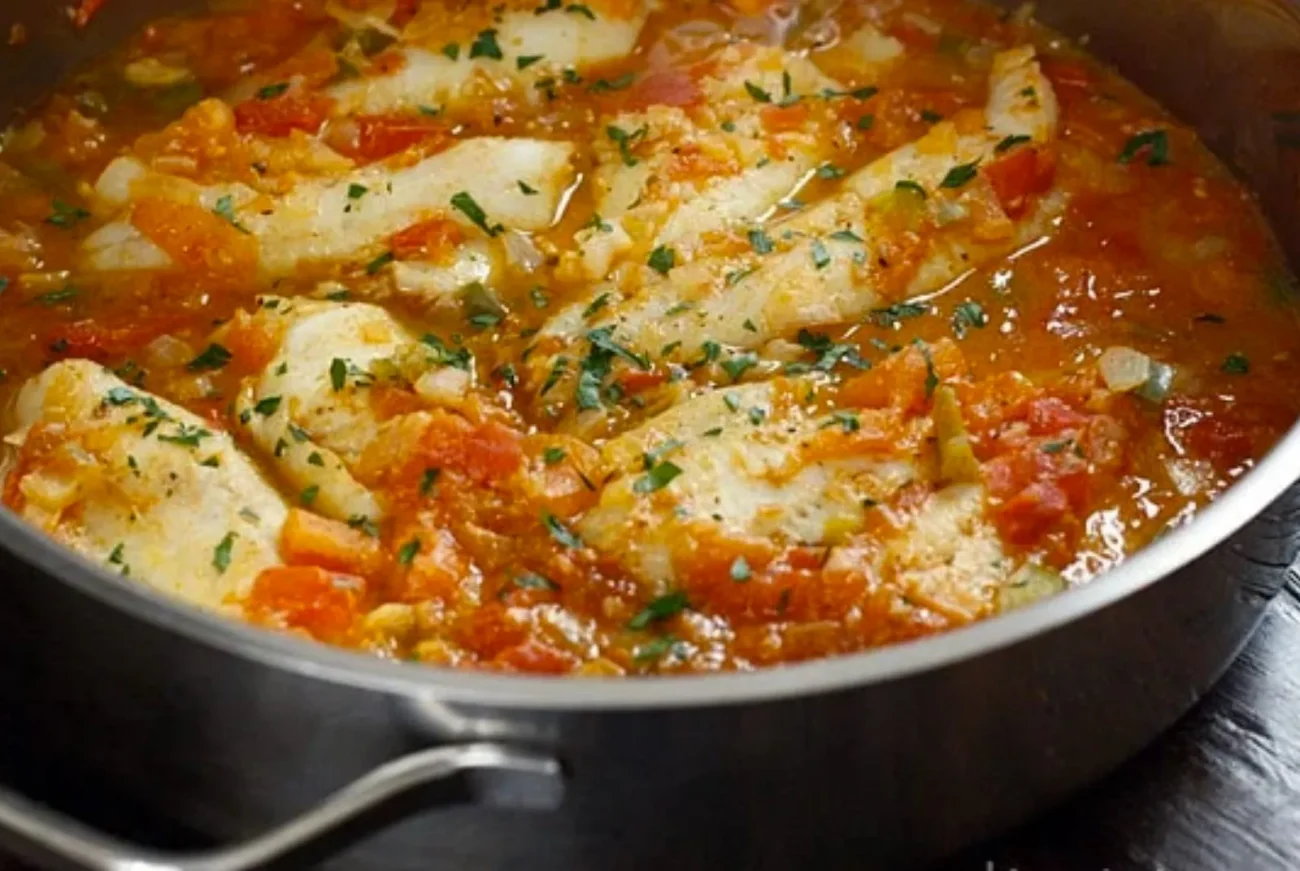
column 616, row 338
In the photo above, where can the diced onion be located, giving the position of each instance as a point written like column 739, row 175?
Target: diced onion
column 149, row 72
column 1124, row 369
column 167, row 351
column 1030, row 583
column 522, row 252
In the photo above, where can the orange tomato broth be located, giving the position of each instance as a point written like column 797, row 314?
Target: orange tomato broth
column 1170, row 257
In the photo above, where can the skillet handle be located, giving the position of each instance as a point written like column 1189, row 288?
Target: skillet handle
column 496, row 775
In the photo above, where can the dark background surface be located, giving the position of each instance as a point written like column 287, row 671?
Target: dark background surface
column 1219, row 792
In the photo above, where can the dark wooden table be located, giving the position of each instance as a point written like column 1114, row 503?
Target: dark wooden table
column 1219, row 792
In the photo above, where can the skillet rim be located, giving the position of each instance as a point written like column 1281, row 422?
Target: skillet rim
column 1239, row 505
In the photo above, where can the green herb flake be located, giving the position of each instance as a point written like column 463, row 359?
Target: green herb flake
column 662, row 259
column 866, row 122
column 660, row 476
column 466, row 205
column 757, row 93
column 911, row 187
column 427, row 479
column 1154, row 142
column 760, row 241
column 527, row 189
column 1011, row 141
column 821, row 258
column 373, row 267
column 1236, row 364
column 406, row 553
column 580, row 9
column 451, row 50
column 357, row 191
column 524, row 61
column 485, row 45
column 221, row 553
column 899, row 311
column 960, row 174
column 534, row 581
column 212, row 357
column 54, row 297
column 619, row 83
column 308, row 495
column 967, row 316
column 270, row 92
column 266, row 407
column 560, row 532
column 663, row 608
column 65, row 215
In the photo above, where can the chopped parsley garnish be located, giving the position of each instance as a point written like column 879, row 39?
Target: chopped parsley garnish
column 406, row 553
column 552, row 455
column 596, row 305
column 847, row 236
column 1154, row 142
column 829, row 354
column 732, row 401
column 117, row 555
column 534, row 581
column 379, row 263
column 930, row 116
column 526, row 189
column 1236, row 364
column 830, row 171
column 619, row 83
column 931, row 377
column 735, row 276
column 524, row 61
column 465, row 204
column 225, row 209
column 451, row 50
column 315, row 459
column 913, row 187
column 186, row 436
column 858, row 94
column 666, row 606
column 365, row 524
column 660, row 476
column 760, row 241
column 738, row 364
column 847, row 420
column 357, row 191
column 270, row 92
column 65, row 215
column 821, row 258
column 757, row 415
column 899, row 311
column 655, row 649
column 539, row 298
column 560, row 532
column 221, row 553
column 626, row 141
column 485, row 45
column 266, row 407
column 54, row 297
column 309, row 494
column 662, row 259
column 866, row 122
column 214, row 356
column 338, row 373
column 1011, row 141
column 581, row 9
column 967, row 316
column 428, row 479
column 740, row 570
column 960, row 175
column 757, row 93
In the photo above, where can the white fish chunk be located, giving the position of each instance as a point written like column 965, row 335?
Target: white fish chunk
column 143, row 486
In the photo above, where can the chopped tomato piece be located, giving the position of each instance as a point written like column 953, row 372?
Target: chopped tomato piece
column 1050, row 415
column 782, row 119
column 281, row 115
column 536, row 657
column 323, row 602
column 309, row 539
column 663, row 87
column 428, row 240
column 1019, row 175
column 633, row 381
column 379, row 136
column 101, row 341
column 487, row 453
column 197, row 240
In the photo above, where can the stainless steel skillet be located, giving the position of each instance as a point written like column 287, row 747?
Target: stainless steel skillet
column 894, row 756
